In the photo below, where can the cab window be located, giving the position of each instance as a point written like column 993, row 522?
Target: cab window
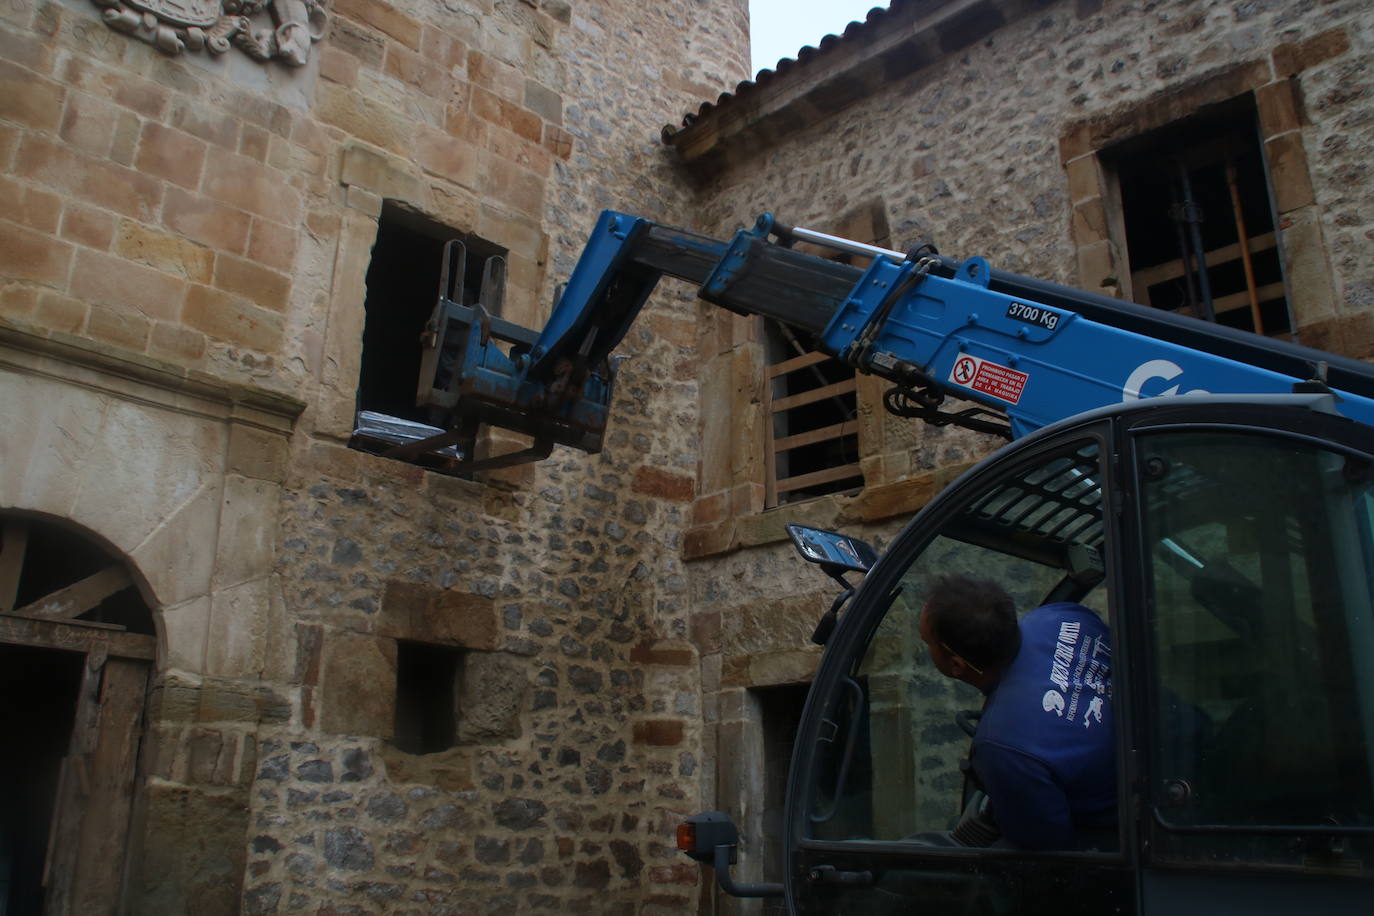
column 891, row 765
column 1259, row 560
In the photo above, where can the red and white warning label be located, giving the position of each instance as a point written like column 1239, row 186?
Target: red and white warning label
column 989, row 378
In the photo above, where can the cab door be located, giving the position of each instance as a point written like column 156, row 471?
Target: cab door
column 877, row 783
column 1256, row 575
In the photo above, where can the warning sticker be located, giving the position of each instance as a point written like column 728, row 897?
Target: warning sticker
column 989, row 378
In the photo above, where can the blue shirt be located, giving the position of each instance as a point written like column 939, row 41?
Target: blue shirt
column 1044, row 749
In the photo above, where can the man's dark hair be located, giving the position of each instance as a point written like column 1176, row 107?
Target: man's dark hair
column 975, row 619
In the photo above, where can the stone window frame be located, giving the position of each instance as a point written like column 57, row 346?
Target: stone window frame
column 370, row 178
column 730, row 511
column 1098, row 227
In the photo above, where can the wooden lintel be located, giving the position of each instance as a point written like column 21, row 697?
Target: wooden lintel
column 79, row 597
column 76, row 636
column 14, row 538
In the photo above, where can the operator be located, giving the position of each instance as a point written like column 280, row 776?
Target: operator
column 1043, row 750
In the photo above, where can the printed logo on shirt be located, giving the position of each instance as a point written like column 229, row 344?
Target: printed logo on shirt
column 1078, row 665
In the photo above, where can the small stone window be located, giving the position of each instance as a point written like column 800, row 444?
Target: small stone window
column 428, row 684
column 418, row 268
column 1197, row 220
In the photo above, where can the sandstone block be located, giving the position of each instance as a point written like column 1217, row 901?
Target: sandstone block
column 357, row 692
column 670, row 656
column 272, row 245
column 99, row 182
column 659, row 732
column 168, row 153
column 207, row 122
column 124, row 329
column 383, row 17
column 88, row 123
column 29, row 99
column 60, row 313
column 491, row 695
column 87, row 226
column 104, row 279
column 1291, row 58
column 495, row 76
column 522, row 189
column 338, row 66
column 507, row 114
column 35, row 256
column 255, row 142
column 653, row 481
column 247, row 185
column 230, row 318
column 378, row 173
column 543, row 101
column 206, row 221
column 258, row 284
column 558, row 141
column 1278, row 108
column 176, row 344
column 364, row 118
column 1288, row 171
column 168, row 253
column 424, row 613
column 447, row 156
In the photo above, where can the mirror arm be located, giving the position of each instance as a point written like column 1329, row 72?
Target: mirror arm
column 727, row 883
column 826, row 625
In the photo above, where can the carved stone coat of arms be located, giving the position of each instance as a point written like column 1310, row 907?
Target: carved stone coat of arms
column 262, row 29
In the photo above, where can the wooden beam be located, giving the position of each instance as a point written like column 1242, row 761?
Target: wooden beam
column 797, row 362
column 815, row 477
column 824, row 434
column 76, row 636
column 14, row 541
column 1171, row 270
column 79, row 597
column 814, row 395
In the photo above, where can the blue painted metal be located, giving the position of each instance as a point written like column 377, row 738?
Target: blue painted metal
column 963, row 334
column 1037, row 363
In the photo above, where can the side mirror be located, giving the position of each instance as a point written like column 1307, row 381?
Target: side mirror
column 836, row 553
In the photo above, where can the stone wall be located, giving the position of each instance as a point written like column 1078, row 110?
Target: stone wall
column 983, row 144
column 207, row 219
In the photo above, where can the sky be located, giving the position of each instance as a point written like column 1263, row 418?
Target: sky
column 780, row 28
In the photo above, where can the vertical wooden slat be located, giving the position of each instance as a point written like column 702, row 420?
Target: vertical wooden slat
column 74, row 797
column 14, row 539
column 113, row 770
column 770, row 457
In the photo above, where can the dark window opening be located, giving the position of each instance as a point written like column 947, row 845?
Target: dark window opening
column 403, row 280
column 1199, row 224
column 427, row 679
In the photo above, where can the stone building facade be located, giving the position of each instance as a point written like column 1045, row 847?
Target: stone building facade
column 1001, row 129
column 188, row 222
column 190, row 216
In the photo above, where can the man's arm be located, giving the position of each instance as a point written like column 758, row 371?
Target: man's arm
column 1029, row 805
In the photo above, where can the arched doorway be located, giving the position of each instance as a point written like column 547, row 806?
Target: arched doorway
column 77, row 646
